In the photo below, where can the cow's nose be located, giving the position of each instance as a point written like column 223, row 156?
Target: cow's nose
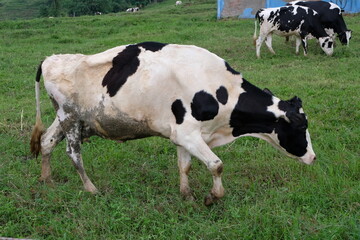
column 309, row 159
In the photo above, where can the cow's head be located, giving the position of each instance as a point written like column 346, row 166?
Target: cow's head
column 327, row 45
column 291, row 134
column 345, row 37
column 283, row 124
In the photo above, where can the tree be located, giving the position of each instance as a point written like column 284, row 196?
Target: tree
column 50, row 8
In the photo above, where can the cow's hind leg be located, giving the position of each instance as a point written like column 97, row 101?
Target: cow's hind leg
column 184, row 163
column 268, row 43
column 52, row 136
column 297, row 45
column 73, row 137
column 259, row 42
column 196, row 146
column 304, row 44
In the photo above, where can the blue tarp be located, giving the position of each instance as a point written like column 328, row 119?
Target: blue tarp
column 349, row 6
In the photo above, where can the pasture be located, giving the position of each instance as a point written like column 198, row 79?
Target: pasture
column 268, row 195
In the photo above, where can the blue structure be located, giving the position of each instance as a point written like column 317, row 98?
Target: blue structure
column 349, row 6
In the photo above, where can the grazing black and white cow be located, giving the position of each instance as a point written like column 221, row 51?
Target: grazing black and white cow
column 330, row 18
column 184, row 93
column 291, row 20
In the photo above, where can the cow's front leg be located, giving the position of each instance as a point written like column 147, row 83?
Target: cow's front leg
column 73, row 137
column 304, row 44
column 184, row 163
column 297, row 46
column 196, row 146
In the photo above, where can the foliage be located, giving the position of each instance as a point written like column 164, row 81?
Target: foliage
column 18, row 9
column 268, row 195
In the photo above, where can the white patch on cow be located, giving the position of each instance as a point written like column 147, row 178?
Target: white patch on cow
column 293, row 2
column 334, row 6
column 348, row 36
column 54, row 92
column 330, row 32
column 62, row 115
column 274, row 108
column 328, row 50
column 273, row 139
column 309, row 157
column 104, row 57
column 270, row 138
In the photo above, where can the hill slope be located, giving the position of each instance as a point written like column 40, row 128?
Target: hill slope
column 19, row 9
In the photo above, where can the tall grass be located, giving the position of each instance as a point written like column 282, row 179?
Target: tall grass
column 268, row 196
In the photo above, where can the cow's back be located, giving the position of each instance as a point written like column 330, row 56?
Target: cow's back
column 142, row 104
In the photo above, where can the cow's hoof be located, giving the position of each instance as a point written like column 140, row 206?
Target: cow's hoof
column 189, row 198
column 210, row 199
column 47, row 180
column 89, row 187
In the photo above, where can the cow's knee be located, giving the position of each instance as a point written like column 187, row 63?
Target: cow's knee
column 216, row 168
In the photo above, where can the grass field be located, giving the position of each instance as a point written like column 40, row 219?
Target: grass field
column 268, row 195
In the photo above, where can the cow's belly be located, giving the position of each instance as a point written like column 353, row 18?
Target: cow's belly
column 286, row 33
column 118, row 127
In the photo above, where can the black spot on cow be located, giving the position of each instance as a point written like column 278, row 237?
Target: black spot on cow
column 272, row 15
column 268, row 91
column 39, row 72
column 287, row 20
column 342, row 37
column 257, row 15
column 324, row 43
column 291, row 107
column 124, row 64
column 152, row 46
column 230, row 69
column 222, row 95
column 330, row 44
column 291, row 138
column 292, row 135
column 178, row 110
column 204, row 106
column 250, row 114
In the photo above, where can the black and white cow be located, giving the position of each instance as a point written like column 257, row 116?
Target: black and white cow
column 184, row 93
column 330, row 18
column 291, row 20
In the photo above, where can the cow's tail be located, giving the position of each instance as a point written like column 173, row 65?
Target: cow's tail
column 38, row 130
column 255, row 35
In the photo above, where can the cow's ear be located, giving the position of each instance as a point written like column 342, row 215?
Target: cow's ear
column 297, row 120
column 296, row 101
column 268, row 91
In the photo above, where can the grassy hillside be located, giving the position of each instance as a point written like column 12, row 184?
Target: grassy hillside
column 19, row 9
column 268, row 195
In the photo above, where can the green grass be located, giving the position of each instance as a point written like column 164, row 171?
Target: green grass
column 268, row 196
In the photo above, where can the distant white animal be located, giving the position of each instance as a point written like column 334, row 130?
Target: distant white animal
column 135, row 9
column 178, row 3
